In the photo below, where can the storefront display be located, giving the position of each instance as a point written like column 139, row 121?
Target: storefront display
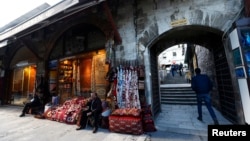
column 65, row 79
column 23, row 83
column 78, row 75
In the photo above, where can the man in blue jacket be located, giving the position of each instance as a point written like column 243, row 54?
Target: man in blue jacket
column 202, row 85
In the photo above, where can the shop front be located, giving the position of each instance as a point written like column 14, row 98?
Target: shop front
column 23, row 84
column 79, row 75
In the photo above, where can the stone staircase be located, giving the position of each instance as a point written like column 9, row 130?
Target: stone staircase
column 176, row 90
column 179, row 94
column 179, row 110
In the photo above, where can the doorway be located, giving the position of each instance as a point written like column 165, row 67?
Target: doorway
column 23, row 84
column 210, row 39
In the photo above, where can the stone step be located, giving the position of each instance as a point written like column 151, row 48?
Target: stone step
column 177, row 95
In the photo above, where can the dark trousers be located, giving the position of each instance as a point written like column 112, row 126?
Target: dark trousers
column 180, row 72
column 94, row 118
column 206, row 98
column 28, row 106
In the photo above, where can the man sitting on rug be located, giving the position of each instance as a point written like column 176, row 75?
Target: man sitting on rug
column 34, row 102
column 94, row 110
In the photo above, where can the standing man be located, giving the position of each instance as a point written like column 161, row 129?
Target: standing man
column 94, row 109
column 202, row 85
column 173, row 69
column 180, row 69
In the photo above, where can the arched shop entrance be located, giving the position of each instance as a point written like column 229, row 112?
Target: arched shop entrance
column 212, row 40
column 23, row 76
column 78, row 63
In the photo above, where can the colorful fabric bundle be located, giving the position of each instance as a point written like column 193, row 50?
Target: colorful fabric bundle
column 127, row 112
column 126, row 120
column 128, row 125
column 147, row 120
column 66, row 113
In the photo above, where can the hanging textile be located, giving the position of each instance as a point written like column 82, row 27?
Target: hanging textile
column 119, row 86
column 127, row 87
column 112, row 78
column 125, row 95
column 108, row 49
column 134, row 86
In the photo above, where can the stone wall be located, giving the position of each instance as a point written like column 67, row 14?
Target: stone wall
column 142, row 22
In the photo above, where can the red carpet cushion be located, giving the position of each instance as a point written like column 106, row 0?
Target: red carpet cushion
column 127, row 112
column 129, row 125
column 66, row 113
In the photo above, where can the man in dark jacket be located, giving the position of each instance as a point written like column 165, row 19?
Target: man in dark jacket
column 94, row 110
column 34, row 102
column 202, row 85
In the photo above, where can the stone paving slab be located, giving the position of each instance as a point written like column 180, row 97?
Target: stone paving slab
column 182, row 119
column 28, row 128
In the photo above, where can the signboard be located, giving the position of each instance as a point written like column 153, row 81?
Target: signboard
column 240, row 72
column 234, row 39
column 179, row 22
column 237, row 57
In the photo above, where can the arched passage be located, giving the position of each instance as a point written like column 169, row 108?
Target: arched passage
column 212, row 40
column 76, row 62
column 22, row 72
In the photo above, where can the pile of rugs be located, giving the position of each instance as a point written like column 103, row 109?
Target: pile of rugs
column 125, row 120
column 147, row 119
column 132, row 121
column 67, row 112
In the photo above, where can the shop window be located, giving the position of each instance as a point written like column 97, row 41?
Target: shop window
column 174, row 54
column 23, row 83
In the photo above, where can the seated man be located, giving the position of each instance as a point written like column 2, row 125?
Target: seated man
column 34, row 102
column 94, row 109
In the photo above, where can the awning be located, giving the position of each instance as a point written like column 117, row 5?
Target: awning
column 38, row 18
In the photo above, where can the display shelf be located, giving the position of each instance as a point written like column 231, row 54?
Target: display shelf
column 65, row 79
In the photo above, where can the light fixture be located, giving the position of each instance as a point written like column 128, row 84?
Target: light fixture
column 22, row 63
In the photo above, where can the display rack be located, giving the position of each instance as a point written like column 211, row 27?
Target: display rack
column 65, row 80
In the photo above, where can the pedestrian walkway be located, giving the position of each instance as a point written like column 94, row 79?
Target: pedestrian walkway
column 28, row 128
column 174, row 123
column 183, row 119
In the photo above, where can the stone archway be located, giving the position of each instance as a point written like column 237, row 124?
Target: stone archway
column 204, row 36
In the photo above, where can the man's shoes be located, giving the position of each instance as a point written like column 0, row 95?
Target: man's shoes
column 199, row 118
column 22, row 115
column 216, row 122
column 79, row 128
column 95, row 130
